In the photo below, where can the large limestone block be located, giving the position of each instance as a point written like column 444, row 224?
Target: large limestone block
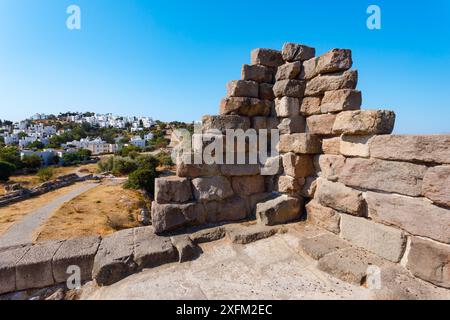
column 302, row 143
column 436, row 185
column 248, row 185
column 8, row 261
column 265, row 123
column 432, row 148
column 173, row 190
column 339, row 197
column 321, row 124
column 151, row 250
column 233, row 209
column 310, row 106
column 386, row 242
column 430, row 261
column 114, row 259
column 390, row 176
column 331, row 146
column 243, row 88
column 320, row 246
column 282, row 209
column 78, row 252
column 288, row 71
column 324, row 217
column 248, row 234
column 355, row 146
column 334, row 61
column 289, row 88
column 289, row 185
column 364, row 122
column 297, row 52
column 166, row 217
column 244, row 106
column 34, row 270
column 330, row 82
column 287, row 107
column 266, row 91
column 341, row 100
column 298, row 166
column 329, row 166
column 417, row 216
column 196, row 170
column 212, row 188
column 240, row 169
column 309, row 70
column 258, row 73
column 292, row 125
column 267, row 57
column 222, row 123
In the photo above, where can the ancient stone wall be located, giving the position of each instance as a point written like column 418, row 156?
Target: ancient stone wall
column 339, row 166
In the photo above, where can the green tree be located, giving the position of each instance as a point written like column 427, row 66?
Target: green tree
column 36, row 145
column 124, row 166
column 6, row 170
column 32, row 162
column 142, row 179
column 11, row 155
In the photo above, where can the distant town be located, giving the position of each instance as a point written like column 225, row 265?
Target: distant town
column 55, row 139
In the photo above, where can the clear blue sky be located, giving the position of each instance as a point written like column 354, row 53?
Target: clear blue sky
column 171, row 59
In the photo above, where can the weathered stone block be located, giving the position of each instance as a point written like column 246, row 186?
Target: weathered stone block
column 355, row 146
column 329, row 166
column 339, row 197
column 432, row 148
column 334, row 61
column 341, row 100
column 288, row 71
column 298, row 166
column 321, row 124
column 318, row 247
column 289, row 88
column 430, row 261
column 266, row 91
column 310, row 106
column 289, row 185
column 208, row 235
column 248, row 234
column 331, row 82
column 257, row 73
column 173, row 189
column 151, row 250
column 331, row 146
column 414, row 215
column 248, row 185
column 364, row 122
column 222, row 123
column 287, row 107
column 75, row 252
column 309, row 70
column 265, row 123
column 212, row 188
column 349, row 264
column 8, row 261
column 324, row 217
column 297, row 52
column 387, row 242
column 34, row 270
column 267, row 57
column 196, row 170
column 302, row 143
column 390, row 176
column 240, row 169
column 234, row 209
column 436, row 185
column 166, row 217
column 243, row 88
column 292, row 125
column 250, row 107
column 282, row 209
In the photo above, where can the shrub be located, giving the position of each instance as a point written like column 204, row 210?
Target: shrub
column 105, row 165
column 32, row 162
column 6, row 170
column 124, row 166
column 45, row 174
column 147, row 162
column 142, row 179
column 164, row 159
column 125, row 151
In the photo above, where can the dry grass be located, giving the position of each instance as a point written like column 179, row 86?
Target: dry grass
column 100, row 211
column 16, row 211
column 30, row 181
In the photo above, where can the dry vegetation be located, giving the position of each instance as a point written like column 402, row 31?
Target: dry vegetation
column 32, row 180
column 16, row 211
column 100, row 211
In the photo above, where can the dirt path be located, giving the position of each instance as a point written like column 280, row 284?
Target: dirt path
column 21, row 233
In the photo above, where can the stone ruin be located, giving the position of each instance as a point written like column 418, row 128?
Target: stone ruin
column 340, row 167
column 382, row 200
